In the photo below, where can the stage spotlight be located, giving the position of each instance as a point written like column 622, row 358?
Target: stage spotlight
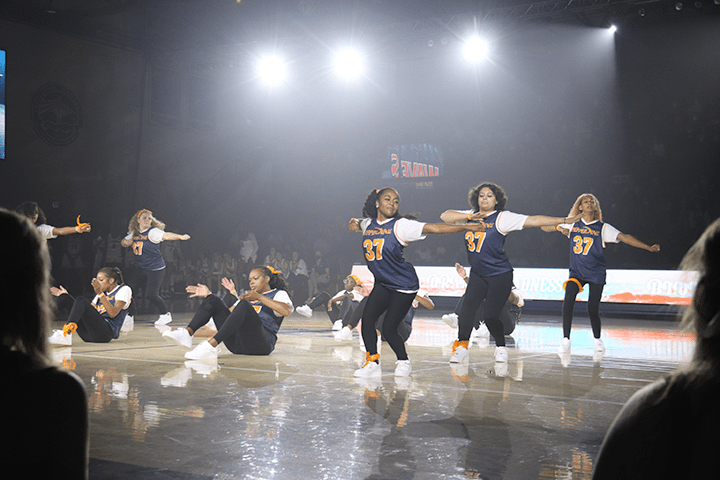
column 475, row 49
column 612, row 29
column 271, row 70
column 348, row 64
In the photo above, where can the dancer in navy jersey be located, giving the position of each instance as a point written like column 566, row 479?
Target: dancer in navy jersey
column 98, row 321
column 145, row 233
column 491, row 274
column 588, row 237
column 247, row 326
column 385, row 234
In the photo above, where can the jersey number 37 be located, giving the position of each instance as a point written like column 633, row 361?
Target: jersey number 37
column 373, row 248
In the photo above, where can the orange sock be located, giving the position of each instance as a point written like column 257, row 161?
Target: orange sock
column 460, row 343
column 69, row 328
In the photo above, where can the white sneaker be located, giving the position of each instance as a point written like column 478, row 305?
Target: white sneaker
column 599, row 345
column 176, row 378
column 516, row 298
column 501, row 354
column 164, row 319
column 451, row 319
column 57, row 338
column 482, row 331
column 180, row 336
column 402, row 368
column 501, row 369
column 565, row 359
column 203, row 367
column 403, row 383
column 370, row 369
column 460, row 354
column 211, row 324
column 345, row 334
column 204, row 351
column 128, row 324
column 337, row 325
column 564, row 346
column 460, row 372
column 304, row 310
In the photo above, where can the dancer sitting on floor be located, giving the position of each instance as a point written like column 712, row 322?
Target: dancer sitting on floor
column 248, row 327
column 98, row 321
column 341, row 306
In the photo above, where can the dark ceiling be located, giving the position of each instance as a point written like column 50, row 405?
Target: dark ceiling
column 158, row 26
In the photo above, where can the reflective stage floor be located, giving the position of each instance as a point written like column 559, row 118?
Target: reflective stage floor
column 299, row 413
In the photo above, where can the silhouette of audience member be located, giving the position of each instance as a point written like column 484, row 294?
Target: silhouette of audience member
column 45, row 408
column 671, row 428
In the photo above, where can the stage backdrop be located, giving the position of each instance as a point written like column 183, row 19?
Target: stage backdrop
column 657, row 287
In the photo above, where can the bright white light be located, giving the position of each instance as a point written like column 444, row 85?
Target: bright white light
column 612, row 29
column 348, row 64
column 475, row 49
column 271, row 70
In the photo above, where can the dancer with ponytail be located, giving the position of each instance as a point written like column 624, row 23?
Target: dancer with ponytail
column 145, row 233
column 98, row 321
column 588, row 236
column 247, row 326
column 385, row 234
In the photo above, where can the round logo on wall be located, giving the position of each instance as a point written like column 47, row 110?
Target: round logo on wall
column 57, row 115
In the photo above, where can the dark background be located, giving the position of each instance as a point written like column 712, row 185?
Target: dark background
column 172, row 118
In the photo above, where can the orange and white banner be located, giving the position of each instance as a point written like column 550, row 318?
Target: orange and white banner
column 658, row 287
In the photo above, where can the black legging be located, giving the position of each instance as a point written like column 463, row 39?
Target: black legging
column 242, row 331
column 395, row 305
column 593, row 306
column 495, row 291
column 152, row 288
column 404, row 328
column 92, row 327
column 506, row 317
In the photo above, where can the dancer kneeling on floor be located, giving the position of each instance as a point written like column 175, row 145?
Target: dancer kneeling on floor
column 98, row 321
column 247, row 327
column 340, row 307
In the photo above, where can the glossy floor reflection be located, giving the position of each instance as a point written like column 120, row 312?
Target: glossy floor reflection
column 299, row 413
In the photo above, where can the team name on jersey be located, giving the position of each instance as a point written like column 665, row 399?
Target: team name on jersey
column 379, row 231
column 586, row 231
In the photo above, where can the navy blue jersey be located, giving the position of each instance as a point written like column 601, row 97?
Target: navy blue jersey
column 486, row 255
column 383, row 251
column 587, row 240
column 147, row 252
column 271, row 322
column 117, row 322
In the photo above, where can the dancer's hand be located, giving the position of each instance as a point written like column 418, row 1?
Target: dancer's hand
column 198, row 290
column 476, row 217
column 57, row 291
column 229, row 284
